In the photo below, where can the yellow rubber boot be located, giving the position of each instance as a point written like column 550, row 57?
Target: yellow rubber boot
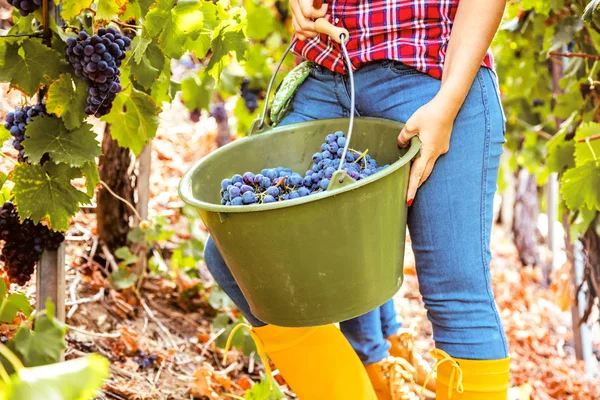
column 317, row 362
column 459, row 379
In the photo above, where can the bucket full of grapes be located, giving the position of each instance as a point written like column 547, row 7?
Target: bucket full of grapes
column 314, row 233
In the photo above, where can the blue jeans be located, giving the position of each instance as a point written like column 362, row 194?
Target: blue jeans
column 450, row 219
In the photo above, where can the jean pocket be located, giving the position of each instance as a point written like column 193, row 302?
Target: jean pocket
column 400, row 68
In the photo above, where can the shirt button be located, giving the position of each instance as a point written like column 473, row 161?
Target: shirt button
column 336, row 20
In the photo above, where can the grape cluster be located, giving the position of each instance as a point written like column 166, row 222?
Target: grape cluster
column 23, row 243
column 16, row 122
column 278, row 184
column 26, row 7
column 144, row 360
column 250, row 96
column 96, row 60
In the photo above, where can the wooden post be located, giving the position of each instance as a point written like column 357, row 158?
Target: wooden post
column 143, row 180
column 50, row 271
column 50, row 281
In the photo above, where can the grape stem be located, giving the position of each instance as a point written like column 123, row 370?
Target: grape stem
column 571, row 54
column 34, row 34
column 125, row 25
column 139, row 217
column 589, row 139
column 11, row 357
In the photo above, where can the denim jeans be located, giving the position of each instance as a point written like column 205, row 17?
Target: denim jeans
column 449, row 221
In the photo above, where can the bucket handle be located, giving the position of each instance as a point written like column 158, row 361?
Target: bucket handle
column 339, row 35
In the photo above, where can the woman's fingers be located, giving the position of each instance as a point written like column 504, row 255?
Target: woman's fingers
column 310, row 12
column 303, row 27
column 419, row 172
column 406, row 134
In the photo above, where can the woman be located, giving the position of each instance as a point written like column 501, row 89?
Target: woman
column 425, row 63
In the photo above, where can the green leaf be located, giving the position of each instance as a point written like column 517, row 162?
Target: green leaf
column 29, row 66
column 164, row 90
column 157, row 265
column 219, row 300
column 78, row 379
column 134, row 119
column 560, row 153
column 580, row 187
column 196, row 92
column 586, row 151
column 228, row 37
column 262, row 391
column 175, row 24
column 110, row 9
column 45, row 192
column 67, row 99
column 241, row 340
column 150, row 66
column 139, row 44
column 47, row 134
column 4, row 135
column 123, row 278
column 13, row 303
column 590, row 9
column 582, row 223
column 42, row 346
column 261, row 20
column 71, row 8
column 92, row 177
column 124, row 254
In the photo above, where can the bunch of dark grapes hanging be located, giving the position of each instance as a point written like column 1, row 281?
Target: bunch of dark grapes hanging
column 96, row 60
column 17, row 121
column 249, row 95
column 24, row 243
column 26, row 7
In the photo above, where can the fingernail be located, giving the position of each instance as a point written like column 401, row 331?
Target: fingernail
column 409, row 202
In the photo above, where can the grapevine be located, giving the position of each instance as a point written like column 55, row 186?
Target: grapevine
column 26, row 7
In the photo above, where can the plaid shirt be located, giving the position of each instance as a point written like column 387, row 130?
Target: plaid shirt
column 414, row 32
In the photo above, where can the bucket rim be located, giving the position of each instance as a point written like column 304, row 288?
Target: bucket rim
column 185, row 184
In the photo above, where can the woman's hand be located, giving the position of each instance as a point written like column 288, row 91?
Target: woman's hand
column 433, row 124
column 303, row 16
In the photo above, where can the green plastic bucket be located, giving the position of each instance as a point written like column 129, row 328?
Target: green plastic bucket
column 317, row 259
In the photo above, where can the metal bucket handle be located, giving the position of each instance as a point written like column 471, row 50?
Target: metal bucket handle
column 340, row 35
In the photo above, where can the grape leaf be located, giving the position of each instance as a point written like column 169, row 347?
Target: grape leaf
column 147, row 71
column 228, row 37
column 92, row 177
column 11, row 304
column 560, row 153
column 79, row 379
column 262, row 391
column 584, row 151
column 175, row 24
column 4, row 135
column 163, row 88
column 72, row 8
column 261, row 20
column 110, row 9
column 43, row 345
column 580, row 186
column 123, row 278
column 139, row 44
column 45, row 192
column 29, row 66
column 67, row 99
column 581, row 223
column 134, row 119
column 196, row 92
column 47, row 134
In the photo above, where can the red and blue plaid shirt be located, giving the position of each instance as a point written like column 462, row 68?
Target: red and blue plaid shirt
column 414, row 32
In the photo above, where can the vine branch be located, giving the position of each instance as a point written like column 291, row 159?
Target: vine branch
column 589, row 139
column 571, row 54
column 30, row 35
